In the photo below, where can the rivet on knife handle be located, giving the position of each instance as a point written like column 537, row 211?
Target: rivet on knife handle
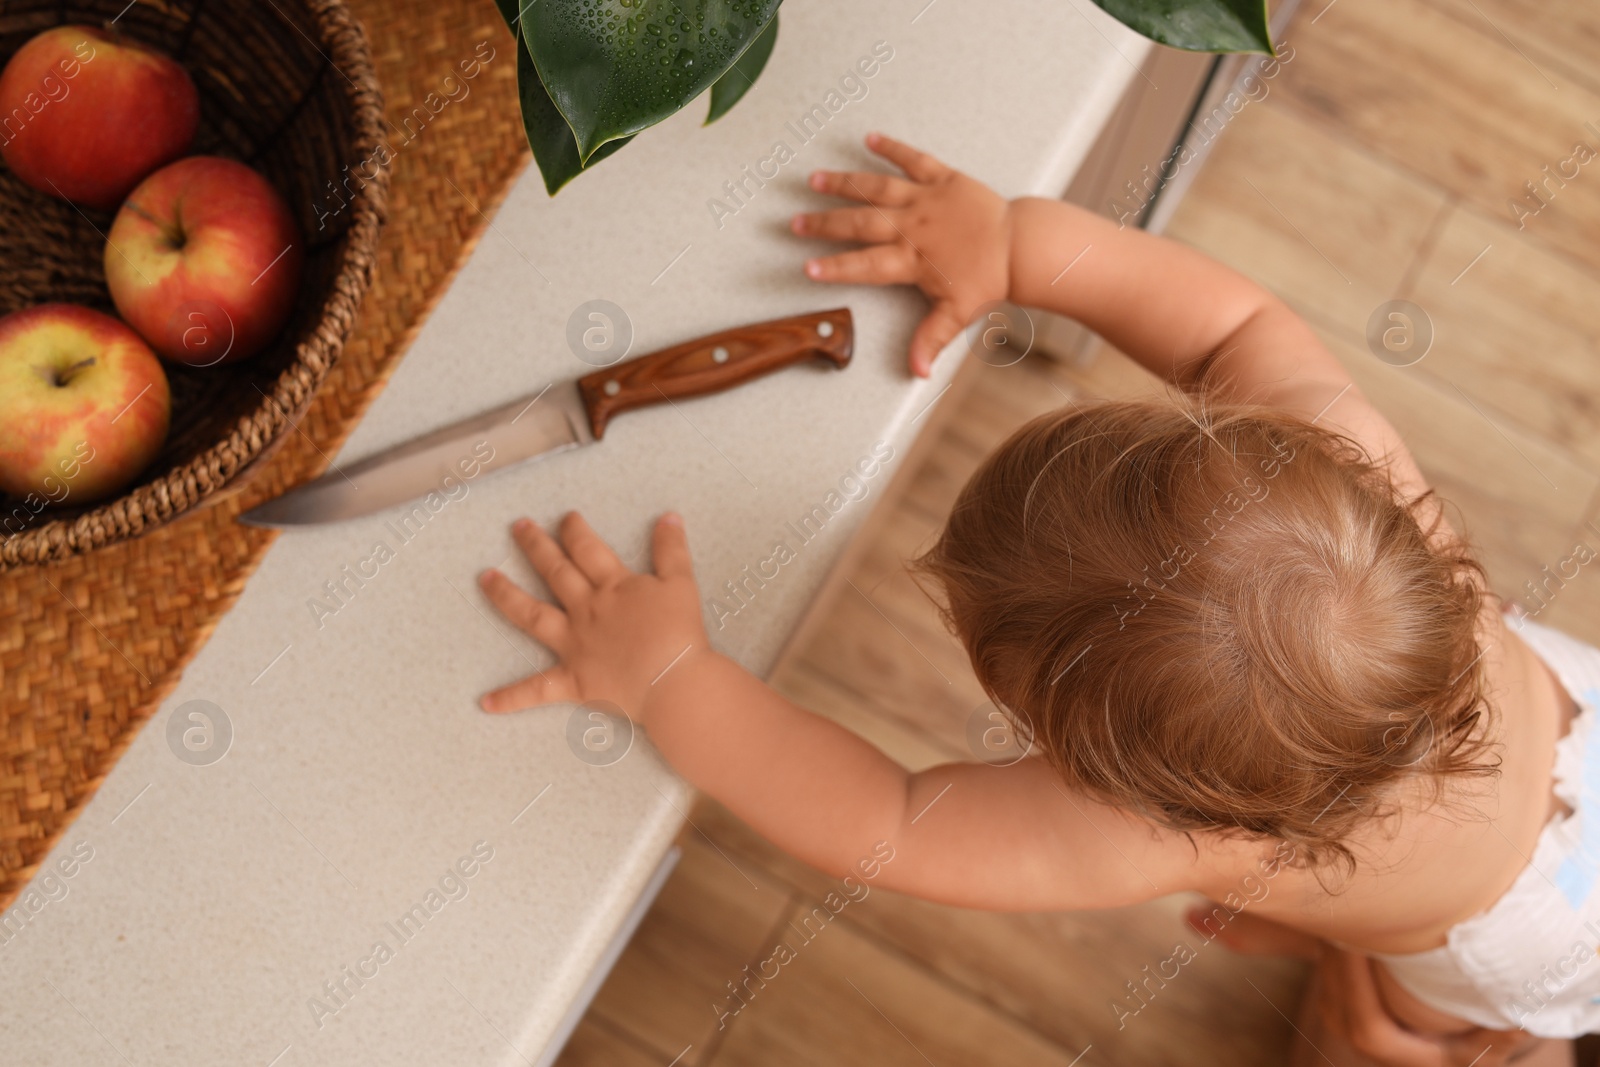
column 716, row 362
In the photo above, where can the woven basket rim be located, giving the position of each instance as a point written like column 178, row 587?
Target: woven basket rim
column 254, row 433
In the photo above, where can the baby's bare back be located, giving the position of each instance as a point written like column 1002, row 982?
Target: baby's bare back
column 1444, row 858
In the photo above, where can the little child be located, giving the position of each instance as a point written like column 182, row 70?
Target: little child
column 1236, row 626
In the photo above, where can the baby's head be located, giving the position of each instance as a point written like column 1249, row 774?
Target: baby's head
column 1221, row 617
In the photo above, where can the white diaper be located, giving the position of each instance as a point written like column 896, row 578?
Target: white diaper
column 1531, row 960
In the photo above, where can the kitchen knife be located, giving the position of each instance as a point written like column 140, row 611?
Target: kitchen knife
column 562, row 415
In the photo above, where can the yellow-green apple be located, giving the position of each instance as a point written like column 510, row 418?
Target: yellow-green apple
column 83, row 404
column 204, row 261
column 86, row 115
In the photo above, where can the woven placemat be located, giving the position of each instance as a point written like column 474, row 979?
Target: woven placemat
column 91, row 646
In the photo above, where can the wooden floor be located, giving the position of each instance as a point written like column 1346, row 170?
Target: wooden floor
column 1379, row 166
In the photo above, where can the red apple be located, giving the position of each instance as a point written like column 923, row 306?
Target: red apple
column 85, row 115
column 204, row 261
column 83, row 405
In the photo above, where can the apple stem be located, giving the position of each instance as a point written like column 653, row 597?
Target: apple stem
column 65, row 376
column 174, row 233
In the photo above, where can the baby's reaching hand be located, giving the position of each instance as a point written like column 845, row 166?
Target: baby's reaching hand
column 616, row 630
column 941, row 231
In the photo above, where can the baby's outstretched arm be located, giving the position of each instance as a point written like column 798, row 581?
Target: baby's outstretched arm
column 1168, row 306
column 1179, row 313
column 970, row 834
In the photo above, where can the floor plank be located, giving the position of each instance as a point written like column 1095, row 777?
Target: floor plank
column 844, row 993
column 1451, row 101
column 1561, row 36
column 592, row 1045
column 711, row 919
column 1519, row 495
column 1517, row 331
column 1329, row 227
column 1065, row 974
column 1069, row 976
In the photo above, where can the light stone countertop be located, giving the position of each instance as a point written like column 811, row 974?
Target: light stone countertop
column 208, row 905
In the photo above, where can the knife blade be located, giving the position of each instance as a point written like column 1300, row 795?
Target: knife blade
column 561, row 416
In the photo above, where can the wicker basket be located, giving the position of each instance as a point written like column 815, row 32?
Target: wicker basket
column 286, row 86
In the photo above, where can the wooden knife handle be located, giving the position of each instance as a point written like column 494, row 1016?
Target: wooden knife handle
column 716, row 362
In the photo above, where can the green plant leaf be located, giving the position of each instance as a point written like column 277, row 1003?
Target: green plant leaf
column 554, row 148
column 1195, row 25
column 731, row 87
column 615, row 67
